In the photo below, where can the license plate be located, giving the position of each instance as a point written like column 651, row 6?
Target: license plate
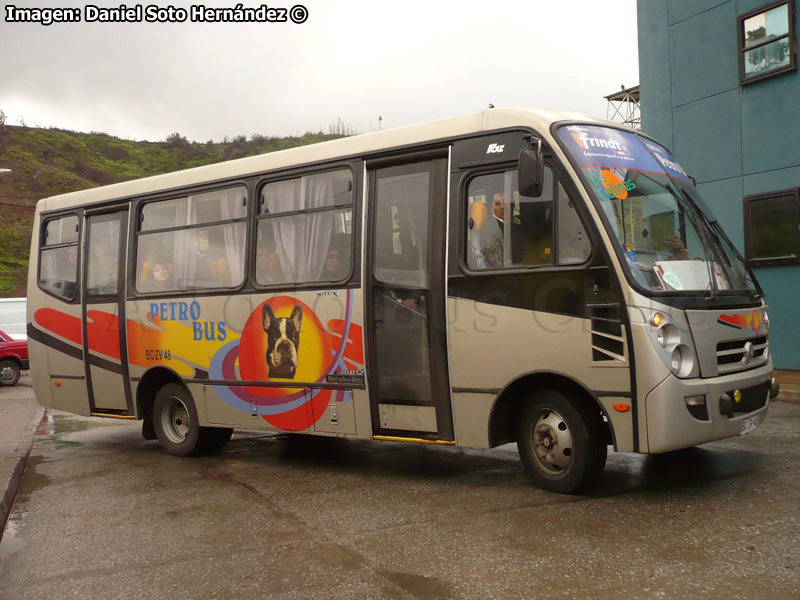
column 750, row 424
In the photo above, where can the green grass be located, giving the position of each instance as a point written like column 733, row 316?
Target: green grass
column 14, row 250
column 48, row 162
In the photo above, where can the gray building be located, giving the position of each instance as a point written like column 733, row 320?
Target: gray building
column 720, row 87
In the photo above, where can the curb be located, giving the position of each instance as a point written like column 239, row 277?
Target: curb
column 789, row 395
column 21, row 454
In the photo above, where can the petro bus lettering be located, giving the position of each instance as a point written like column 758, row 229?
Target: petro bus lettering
column 186, row 311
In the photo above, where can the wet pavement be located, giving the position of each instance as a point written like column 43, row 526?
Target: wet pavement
column 103, row 513
column 19, row 416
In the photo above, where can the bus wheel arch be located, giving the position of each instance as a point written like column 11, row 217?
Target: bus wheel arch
column 148, row 387
column 164, row 384
column 175, row 420
column 511, row 401
column 561, row 442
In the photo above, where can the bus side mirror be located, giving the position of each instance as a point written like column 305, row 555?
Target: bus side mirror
column 531, row 170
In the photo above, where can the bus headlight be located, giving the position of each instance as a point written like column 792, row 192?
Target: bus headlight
column 671, row 337
column 682, row 361
column 677, row 359
column 668, row 335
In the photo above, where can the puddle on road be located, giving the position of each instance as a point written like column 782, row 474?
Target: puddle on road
column 32, row 481
column 421, row 586
column 11, row 542
column 62, row 429
column 66, row 424
column 680, row 471
column 57, row 429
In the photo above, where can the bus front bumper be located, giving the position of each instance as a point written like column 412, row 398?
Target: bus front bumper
column 675, row 415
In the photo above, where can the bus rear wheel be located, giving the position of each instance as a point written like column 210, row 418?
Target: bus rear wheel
column 561, row 443
column 175, row 421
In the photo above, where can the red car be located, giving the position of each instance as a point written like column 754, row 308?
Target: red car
column 13, row 359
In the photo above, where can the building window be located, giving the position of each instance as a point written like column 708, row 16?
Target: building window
column 772, row 228
column 767, row 41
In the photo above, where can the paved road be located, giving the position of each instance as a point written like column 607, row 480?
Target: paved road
column 19, row 416
column 104, row 514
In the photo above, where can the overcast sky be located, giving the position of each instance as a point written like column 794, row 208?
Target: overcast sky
column 408, row 62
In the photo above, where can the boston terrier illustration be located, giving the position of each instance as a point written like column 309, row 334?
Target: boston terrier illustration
column 283, row 341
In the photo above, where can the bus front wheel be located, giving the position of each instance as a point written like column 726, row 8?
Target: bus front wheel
column 175, row 421
column 561, row 443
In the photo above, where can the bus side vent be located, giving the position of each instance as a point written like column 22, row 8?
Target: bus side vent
column 607, row 341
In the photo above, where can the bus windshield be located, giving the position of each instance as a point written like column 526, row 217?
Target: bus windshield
column 652, row 211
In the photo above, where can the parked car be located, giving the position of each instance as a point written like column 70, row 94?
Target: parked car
column 12, row 317
column 13, row 359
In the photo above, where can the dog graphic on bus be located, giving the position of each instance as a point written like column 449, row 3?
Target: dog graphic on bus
column 283, row 342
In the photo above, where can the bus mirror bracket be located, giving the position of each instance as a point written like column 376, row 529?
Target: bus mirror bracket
column 531, row 168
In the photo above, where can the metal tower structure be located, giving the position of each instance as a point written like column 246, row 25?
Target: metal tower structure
column 623, row 107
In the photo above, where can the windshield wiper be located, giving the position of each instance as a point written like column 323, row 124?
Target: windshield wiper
column 710, row 255
column 717, row 228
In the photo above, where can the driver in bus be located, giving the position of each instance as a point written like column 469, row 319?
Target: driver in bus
column 490, row 234
column 679, row 251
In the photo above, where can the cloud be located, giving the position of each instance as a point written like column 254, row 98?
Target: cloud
column 354, row 60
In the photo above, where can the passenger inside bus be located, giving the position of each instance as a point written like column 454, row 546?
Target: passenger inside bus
column 162, row 278
column 332, row 261
column 220, row 272
column 336, row 260
column 268, row 263
column 155, row 275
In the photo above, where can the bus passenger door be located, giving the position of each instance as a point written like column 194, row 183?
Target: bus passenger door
column 406, row 304
column 104, row 331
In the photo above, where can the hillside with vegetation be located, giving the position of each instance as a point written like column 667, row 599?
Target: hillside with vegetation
column 46, row 162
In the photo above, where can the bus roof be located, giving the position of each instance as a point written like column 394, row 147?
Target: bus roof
column 488, row 119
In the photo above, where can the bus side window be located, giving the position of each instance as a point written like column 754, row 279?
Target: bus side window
column 58, row 259
column 103, row 255
column 402, row 223
column 532, row 225
column 573, row 242
column 209, row 252
column 505, row 229
column 305, row 229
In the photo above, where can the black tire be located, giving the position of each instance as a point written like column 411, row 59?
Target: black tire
column 214, row 438
column 9, row 372
column 561, row 443
column 175, row 421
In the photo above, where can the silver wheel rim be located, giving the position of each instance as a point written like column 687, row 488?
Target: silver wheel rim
column 552, row 443
column 7, row 374
column 175, row 420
